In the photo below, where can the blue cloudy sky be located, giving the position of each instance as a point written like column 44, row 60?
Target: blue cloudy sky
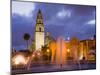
column 59, row 19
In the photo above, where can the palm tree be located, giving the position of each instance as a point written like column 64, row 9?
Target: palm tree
column 26, row 38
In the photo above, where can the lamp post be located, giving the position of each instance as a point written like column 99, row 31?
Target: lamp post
column 68, row 53
column 48, row 51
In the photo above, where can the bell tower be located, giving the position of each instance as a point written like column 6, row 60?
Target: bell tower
column 39, row 31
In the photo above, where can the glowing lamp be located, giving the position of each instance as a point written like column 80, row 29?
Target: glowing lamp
column 19, row 59
column 68, row 50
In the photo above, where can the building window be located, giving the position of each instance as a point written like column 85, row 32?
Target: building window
column 40, row 29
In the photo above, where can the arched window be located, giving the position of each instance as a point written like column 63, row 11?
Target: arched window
column 40, row 29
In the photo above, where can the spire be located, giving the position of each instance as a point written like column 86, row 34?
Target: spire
column 39, row 15
column 39, row 22
column 39, row 11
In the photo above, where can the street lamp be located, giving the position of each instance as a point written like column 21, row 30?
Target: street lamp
column 68, row 53
column 48, row 52
column 68, row 50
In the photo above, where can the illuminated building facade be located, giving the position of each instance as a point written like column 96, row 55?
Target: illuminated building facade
column 88, row 49
column 75, row 49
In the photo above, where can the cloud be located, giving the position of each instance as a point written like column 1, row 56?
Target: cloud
column 22, row 8
column 64, row 13
column 66, row 21
column 91, row 22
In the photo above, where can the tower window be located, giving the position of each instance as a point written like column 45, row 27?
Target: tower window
column 40, row 29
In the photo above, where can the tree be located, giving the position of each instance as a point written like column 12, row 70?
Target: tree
column 26, row 38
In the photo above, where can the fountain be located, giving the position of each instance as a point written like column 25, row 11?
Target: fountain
column 53, row 51
column 61, row 52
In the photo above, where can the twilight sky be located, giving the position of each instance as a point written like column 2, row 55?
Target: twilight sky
column 59, row 19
